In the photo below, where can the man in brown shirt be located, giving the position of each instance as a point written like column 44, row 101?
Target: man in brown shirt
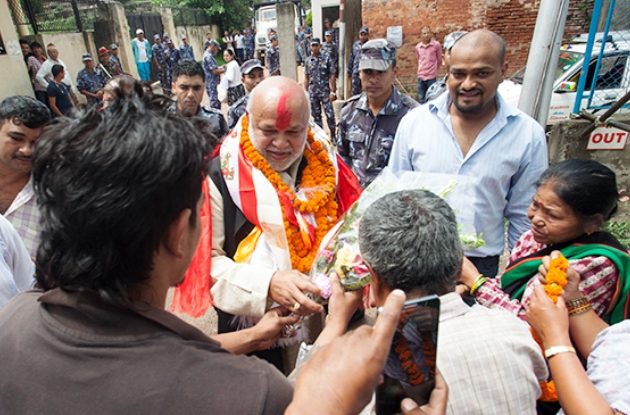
column 119, row 192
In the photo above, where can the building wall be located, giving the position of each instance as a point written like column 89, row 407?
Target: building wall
column 17, row 81
column 196, row 36
column 512, row 19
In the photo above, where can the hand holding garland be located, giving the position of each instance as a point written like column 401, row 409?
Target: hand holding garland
column 287, row 288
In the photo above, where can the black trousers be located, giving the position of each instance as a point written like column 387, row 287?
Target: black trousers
column 487, row 265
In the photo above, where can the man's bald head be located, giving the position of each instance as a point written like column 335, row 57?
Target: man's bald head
column 281, row 95
column 279, row 112
column 481, row 38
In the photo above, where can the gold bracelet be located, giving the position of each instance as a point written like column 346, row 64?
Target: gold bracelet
column 580, row 310
column 577, row 303
column 481, row 280
column 554, row 350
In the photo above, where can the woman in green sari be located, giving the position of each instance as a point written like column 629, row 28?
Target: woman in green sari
column 573, row 200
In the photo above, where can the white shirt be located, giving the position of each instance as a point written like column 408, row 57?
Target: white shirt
column 240, row 44
column 142, row 50
column 44, row 75
column 16, row 267
column 508, row 157
column 233, row 74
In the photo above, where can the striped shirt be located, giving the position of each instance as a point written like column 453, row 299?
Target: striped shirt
column 598, row 278
column 24, row 216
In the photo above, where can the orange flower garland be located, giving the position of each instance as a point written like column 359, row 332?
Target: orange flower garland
column 318, row 181
column 555, row 281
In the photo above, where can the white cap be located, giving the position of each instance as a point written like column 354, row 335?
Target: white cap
column 138, row 31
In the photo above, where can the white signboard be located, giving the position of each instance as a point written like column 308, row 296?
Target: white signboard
column 395, row 35
column 607, row 138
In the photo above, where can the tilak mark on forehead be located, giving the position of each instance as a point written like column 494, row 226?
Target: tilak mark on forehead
column 283, row 119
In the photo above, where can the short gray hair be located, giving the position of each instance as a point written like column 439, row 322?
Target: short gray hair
column 411, row 241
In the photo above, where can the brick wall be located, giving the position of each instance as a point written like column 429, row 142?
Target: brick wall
column 512, row 19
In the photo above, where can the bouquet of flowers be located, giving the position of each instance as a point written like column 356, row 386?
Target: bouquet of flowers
column 339, row 250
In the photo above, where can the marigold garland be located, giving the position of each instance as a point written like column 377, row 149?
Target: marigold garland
column 318, row 181
column 555, row 281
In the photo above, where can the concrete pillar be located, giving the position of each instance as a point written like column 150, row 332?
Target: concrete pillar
column 22, row 28
column 167, row 21
column 286, row 39
column 113, row 13
column 352, row 20
column 12, row 63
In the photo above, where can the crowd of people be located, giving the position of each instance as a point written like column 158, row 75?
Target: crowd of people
column 106, row 209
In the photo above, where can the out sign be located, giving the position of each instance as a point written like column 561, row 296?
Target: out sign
column 607, row 138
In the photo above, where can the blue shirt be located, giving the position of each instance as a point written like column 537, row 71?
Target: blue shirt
column 186, row 52
column 507, row 158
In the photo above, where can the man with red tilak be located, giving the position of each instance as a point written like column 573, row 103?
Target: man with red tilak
column 276, row 188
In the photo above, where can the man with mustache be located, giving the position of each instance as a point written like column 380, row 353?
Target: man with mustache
column 22, row 120
column 472, row 131
column 188, row 85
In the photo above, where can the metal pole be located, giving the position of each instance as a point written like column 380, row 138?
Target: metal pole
column 597, row 10
column 543, row 58
column 77, row 16
column 341, row 76
column 598, row 64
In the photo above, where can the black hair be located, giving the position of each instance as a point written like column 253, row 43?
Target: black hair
column 24, row 110
column 187, row 67
column 24, row 42
column 230, row 52
column 36, row 44
column 56, row 70
column 109, row 184
column 587, row 186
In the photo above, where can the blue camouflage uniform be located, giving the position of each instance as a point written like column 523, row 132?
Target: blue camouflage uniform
column 186, row 52
column 91, row 81
column 365, row 141
column 250, row 45
column 172, row 58
column 216, row 122
column 160, row 55
column 319, row 69
column 272, row 60
column 331, row 51
column 353, row 67
column 212, row 80
column 236, row 110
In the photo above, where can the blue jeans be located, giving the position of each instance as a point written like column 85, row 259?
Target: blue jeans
column 423, row 87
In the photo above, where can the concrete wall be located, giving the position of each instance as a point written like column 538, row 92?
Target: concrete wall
column 71, row 47
column 196, row 36
column 17, row 81
column 565, row 143
column 512, row 19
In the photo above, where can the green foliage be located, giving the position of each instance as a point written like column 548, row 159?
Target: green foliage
column 309, row 19
column 620, row 230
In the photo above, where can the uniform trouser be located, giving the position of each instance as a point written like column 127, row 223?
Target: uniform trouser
column 249, row 54
column 213, row 96
column 144, row 70
column 317, row 101
column 356, row 84
column 164, row 79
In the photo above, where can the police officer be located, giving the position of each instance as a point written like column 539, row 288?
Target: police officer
column 368, row 121
column 172, row 57
column 251, row 75
column 330, row 50
column 321, row 83
column 355, row 55
column 159, row 58
column 213, row 73
column 250, row 44
column 90, row 81
column 188, row 80
column 186, row 50
column 272, row 56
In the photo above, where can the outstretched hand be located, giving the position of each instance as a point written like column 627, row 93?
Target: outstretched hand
column 287, row 288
